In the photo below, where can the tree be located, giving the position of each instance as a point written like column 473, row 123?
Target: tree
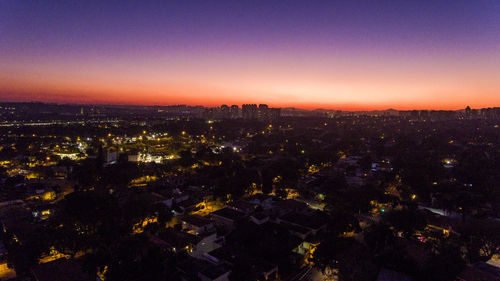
column 444, row 265
column 86, row 220
column 134, row 258
column 482, row 238
column 406, row 220
column 138, row 207
column 24, row 255
column 346, row 254
column 379, row 237
column 86, row 173
column 341, row 222
column 186, row 159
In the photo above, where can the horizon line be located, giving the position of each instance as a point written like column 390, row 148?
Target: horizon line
column 210, row 106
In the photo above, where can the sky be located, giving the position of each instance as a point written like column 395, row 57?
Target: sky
column 348, row 55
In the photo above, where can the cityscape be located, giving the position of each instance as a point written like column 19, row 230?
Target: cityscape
column 248, row 193
column 249, row 140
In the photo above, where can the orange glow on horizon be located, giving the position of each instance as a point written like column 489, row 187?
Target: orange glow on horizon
column 358, row 84
column 326, row 54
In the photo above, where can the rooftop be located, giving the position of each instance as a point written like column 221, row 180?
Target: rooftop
column 313, row 221
column 229, row 214
column 290, row 204
column 196, row 220
column 178, row 239
column 242, row 205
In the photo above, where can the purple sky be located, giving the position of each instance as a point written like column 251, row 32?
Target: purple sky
column 357, row 54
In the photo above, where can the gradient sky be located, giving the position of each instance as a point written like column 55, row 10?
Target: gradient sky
column 423, row 54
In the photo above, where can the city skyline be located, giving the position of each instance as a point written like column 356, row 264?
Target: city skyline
column 277, row 140
column 345, row 55
column 230, row 106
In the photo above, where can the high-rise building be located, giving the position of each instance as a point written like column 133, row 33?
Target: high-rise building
column 210, row 113
column 110, row 156
column 468, row 112
column 235, row 111
column 274, row 113
column 224, row 112
column 249, row 111
column 263, row 112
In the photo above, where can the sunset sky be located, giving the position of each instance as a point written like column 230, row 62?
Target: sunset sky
column 350, row 55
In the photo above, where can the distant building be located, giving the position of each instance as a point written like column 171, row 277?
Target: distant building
column 249, row 111
column 225, row 112
column 263, row 112
column 443, row 114
column 110, row 156
column 211, row 113
column 234, row 111
column 468, row 112
column 405, row 113
column 424, row 114
column 490, row 113
column 134, row 157
column 274, row 113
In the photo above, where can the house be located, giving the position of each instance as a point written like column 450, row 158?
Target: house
column 227, row 255
column 262, row 200
column 283, row 207
column 226, row 217
column 42, row 212
column 259, row 218
column 297, row 230
column 223, row 255
column 42, row 194
column 243, row 206
column 312, row 223
column 196, row 224
column 305, row 248
column 134, row 157
column 173, row 196
column 177, row 241
column 381, row 166
column 494, row 261
column 197, row 269
column 214, row 273
column 345, row 162
column 61, row 172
